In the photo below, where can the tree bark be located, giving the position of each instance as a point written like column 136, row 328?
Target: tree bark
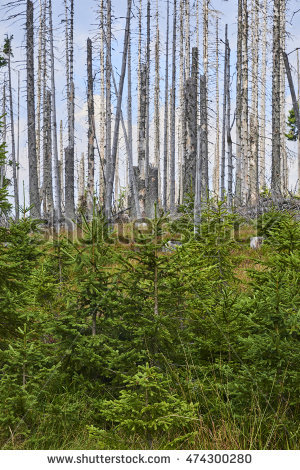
column 142, row 138
column 12, row 133
column 54, row 121
column 182, row 137
column 224, row 117
column 238, row 138
column 298, row 147
column 108, row 95
column 128, row 141
column 2, row 167
column 245, row 105
column 47, row 163
column 147, row 97
column 102, row 106
column 283, row 150
column 276, row 140
column 34, row 196
column 61, row 166
column 187, row 39
column 228, row 130
column 165, row 185
column 203, row 136
column 69, row 152
column 262, row 142
column 205, row 179
column 42, row 20
column 91, row 130
column 253, row 163
column 112, row 164
column 216, row 171
column 173, row 117
column 197, row 201
column 156, row 108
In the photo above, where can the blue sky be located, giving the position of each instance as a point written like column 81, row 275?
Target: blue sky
column 86, row 25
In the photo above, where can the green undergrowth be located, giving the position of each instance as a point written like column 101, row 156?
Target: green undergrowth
column 106, row 345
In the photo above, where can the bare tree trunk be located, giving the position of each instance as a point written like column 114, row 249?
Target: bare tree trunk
column 292, row 88
column 132, row 180
column 12, row 132
column 165, row 185
column 245, row 104
column 54, row 121
column 72, row 118
column 253, row 163
column 32, row 156
column 2, row 167
column 197, row 201
column 262, row 143
column 156, row 108
column 173, row 118
column 142, row 137
column 169, row 148
column 108, row 94
column 91, row 130
column 69, row 151
column 42, row 21
column 18, row 134
column 203, row 136
column 238, row 138
column 102, row 106
column 147, row 97
column 112, row 164
column 67, row 63
column 187, row 38
column 298, row 147
column 61, row 165
column 224, row 117
column 117, row 180
column 44, row 107
column 205, row 180
column 216, row 172
column 182, row 140
column 276, row 140
column 283, row 150
column 139, row 60
column 190, row 120
column 228, row 129
column 47, row 164
column 81, row 182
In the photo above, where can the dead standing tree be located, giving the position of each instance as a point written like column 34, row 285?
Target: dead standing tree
column 54, row 120
column 111, row 166
column 91, row 130
column 69, row 151
column 8, row 52
column 276, row 138
column 34, row 195
column 166, row 117
column 173, row 118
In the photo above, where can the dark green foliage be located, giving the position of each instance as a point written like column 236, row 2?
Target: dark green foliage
column 147, row 345
column 5, row 206
column 148, row 407
column 292, row 125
